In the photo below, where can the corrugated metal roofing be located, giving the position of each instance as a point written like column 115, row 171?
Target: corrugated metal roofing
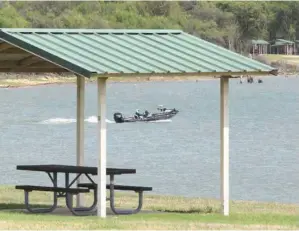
column 280, row 42
column 114, row 52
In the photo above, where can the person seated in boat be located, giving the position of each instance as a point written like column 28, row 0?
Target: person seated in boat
column 146, row 113
column 161, row 108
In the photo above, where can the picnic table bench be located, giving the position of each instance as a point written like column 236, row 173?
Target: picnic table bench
column 68, row 192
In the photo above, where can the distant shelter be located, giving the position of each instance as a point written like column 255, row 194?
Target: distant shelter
column 282, row 46
column 296, row 46
column 259, row 47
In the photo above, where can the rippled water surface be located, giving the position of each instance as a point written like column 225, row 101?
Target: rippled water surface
column 178, row 156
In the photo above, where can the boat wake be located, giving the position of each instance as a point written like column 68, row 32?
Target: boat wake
column 160, row 121
column 90, row 119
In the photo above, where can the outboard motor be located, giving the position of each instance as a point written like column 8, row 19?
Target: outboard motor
column 118, row 117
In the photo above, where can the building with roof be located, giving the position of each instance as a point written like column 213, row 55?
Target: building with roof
column 296, row 46
column 282, row 46
column 259, row 47
column 127, row 53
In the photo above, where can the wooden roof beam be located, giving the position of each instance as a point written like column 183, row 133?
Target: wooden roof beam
column 29, row 61
column 5, row 46
column 35, row 70
column 16, row 64
column 13, row 50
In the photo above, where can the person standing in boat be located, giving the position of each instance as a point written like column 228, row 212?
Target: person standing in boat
column 241, row 77
column 137, row 113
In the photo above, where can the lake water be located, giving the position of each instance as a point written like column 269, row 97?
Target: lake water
column 176, row 157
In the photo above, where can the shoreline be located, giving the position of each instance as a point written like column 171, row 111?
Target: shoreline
column 42, row 81
column 15, row 81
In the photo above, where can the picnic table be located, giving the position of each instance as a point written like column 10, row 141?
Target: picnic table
column 68, row 191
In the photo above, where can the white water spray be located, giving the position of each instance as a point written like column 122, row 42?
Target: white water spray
column 59, row 120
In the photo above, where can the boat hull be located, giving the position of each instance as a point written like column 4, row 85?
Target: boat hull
column 118, row 117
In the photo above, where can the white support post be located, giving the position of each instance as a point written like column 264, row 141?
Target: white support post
column 80, row 131
column 224, row 144
column 101, row 206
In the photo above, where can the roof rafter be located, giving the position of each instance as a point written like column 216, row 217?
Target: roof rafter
column 29, row 61
column 35, row 70
column 16, row 64
column 5, row 46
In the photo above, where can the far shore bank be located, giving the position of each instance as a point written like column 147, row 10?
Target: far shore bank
column 18, row 80
column 15, row 81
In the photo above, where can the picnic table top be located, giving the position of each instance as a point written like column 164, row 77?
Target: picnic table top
column 74, row 169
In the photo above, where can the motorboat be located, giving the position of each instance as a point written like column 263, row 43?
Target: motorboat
column 162, row 114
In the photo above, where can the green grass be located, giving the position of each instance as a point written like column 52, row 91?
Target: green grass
column 292, row 59
column 182, row 213
column 149, row 221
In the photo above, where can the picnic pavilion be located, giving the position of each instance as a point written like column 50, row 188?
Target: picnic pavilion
column 126, row 53
column 282, row 46
column 259, row 47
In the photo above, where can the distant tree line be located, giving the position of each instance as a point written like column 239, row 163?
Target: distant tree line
column 229, row 24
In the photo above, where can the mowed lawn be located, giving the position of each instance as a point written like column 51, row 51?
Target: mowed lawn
column 162, row 212
column 291, row 59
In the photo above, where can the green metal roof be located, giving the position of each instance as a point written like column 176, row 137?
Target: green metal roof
column 281, row 42
column 113, row 52
column 259, row 42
